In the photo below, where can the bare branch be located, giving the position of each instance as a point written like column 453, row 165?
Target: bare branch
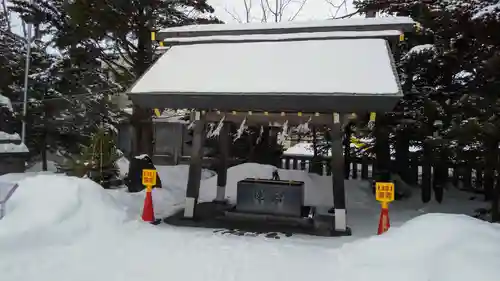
column 274, row 8
column 336, row 7
column 248, row 9
column 264, row 11
column 269, row 9
column 234, row 15
column 350, row 15
column 298, row 10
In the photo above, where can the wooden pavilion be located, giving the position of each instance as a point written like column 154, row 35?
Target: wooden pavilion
column 316, row 72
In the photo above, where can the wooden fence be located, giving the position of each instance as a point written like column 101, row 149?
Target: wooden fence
column 469, row 177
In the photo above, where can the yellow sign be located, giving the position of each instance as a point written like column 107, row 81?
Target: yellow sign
column 149, row 178
column 384, row 191
column 402, row 37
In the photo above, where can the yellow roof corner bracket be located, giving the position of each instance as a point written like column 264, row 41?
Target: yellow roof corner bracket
column 157, row 112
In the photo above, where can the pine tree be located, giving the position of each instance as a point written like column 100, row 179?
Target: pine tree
column 116, row 33
column 449, row 75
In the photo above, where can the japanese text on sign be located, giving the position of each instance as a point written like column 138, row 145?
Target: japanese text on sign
column 384, row 191
column 149, row 177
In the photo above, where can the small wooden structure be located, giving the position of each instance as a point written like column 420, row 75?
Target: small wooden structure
column 13, row 154
column 316, row 72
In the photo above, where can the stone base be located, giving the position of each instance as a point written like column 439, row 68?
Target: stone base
column 13, row 163
column 224, row 202
column 217, row 216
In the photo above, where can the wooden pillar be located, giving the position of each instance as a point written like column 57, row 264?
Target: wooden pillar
column 382, row 151
column 194, row 176
column 347, row 151
column 337, row 164
column 224, row 137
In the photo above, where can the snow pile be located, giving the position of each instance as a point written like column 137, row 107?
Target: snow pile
column 66, row 228
column 57, row 203
column 123, row 166
column 167, row 199
column 433, row 247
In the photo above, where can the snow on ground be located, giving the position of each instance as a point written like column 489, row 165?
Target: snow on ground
column 306, row 149
column 301, row 148
column 65, row 228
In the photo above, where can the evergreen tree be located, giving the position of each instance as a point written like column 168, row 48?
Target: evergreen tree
column 116, row 33
column 450, row 75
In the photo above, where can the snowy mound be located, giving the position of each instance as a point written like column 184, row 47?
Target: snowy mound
column 58, row 203
column 432, row 247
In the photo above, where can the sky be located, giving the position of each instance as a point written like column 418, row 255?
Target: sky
column 234, row 10
column 228, row 10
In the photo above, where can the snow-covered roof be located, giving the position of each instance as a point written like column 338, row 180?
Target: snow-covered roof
column 351, row 24
column 13, row 148
column 345, row 75
column 5, row 101
column 9, row 137
column 283, row 37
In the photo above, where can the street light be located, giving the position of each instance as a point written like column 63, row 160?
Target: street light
column 26, row 78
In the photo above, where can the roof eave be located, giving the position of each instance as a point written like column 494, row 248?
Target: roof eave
column 234, row 39
column 331, row 102
column 405, row 27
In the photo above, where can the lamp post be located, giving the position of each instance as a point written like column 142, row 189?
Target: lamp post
column 26, row 79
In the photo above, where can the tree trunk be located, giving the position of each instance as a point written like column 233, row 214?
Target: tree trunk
column 491, row 161
column 316, row 166
column 382, row 149
column 44, row 134
column 347, row 151
column 142, row 117
column 426, row 173
column 492, row 190
column 402, row 155
column 440, row 175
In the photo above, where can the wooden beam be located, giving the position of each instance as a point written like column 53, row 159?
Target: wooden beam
column 337, row 164
column 195, row 165
column 224, row 144
column 262, row 118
